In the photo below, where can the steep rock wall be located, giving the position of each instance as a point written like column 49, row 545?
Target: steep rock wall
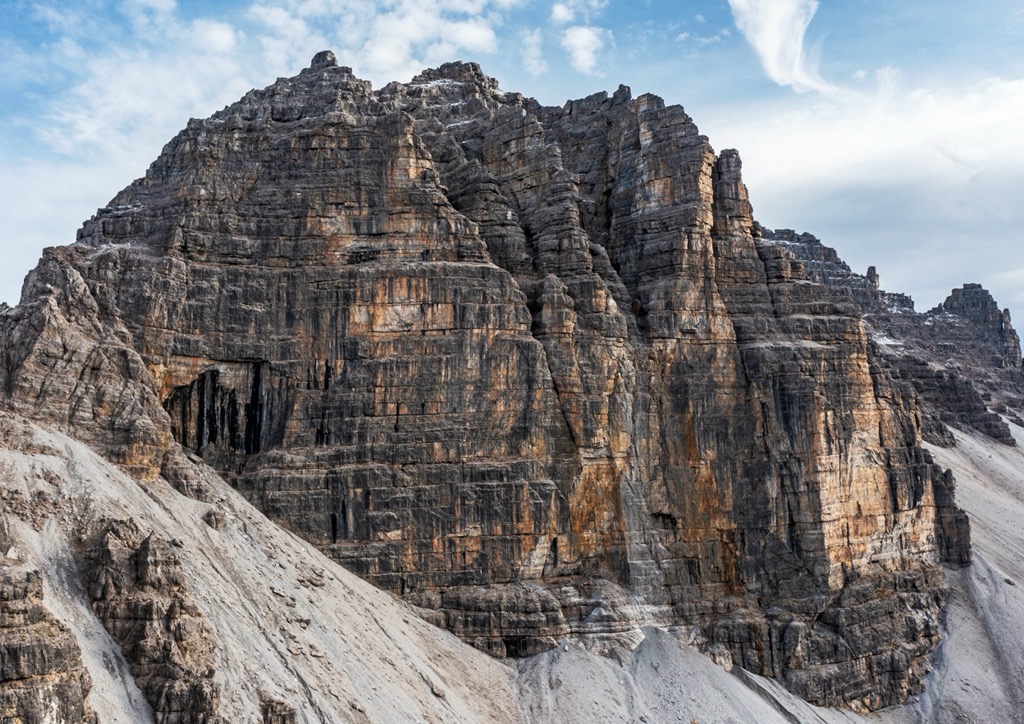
column 527, row 367
column 42, row 677
column 963, row 357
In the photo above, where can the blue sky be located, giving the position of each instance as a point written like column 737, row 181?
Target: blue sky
column 894, row 131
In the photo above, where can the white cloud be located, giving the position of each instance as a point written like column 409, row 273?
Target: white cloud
column 214, row 36
column 533, row 56
column 562, row 14
column 159, row 6
column 698, row 18
column 776, row 29
column 567, row 11
column 703, row 40
column 474, row 34
column 62, row 19
column 916, row 181
column 400, row 40
column 583, row 43
column 887, row 79
column 284, row 36
column 149, row 17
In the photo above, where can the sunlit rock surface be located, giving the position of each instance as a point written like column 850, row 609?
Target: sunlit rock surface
column 530, row 368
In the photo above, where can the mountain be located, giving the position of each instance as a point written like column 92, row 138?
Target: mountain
column 535, row 371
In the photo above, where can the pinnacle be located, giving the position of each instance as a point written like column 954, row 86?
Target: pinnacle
column 324, row 59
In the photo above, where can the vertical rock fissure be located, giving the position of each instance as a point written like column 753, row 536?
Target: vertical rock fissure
column 254, row 411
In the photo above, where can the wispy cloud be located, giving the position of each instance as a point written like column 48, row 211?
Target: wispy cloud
column 533, row 55
column 915, row 180
column 777, row 31
column 583, row 43
column 704, row 40
column 562, row 13
column 567, row 11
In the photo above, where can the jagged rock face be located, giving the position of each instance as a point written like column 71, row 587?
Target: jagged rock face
column 963, row 357
column 528, row 367
column 976, row 305
column 41, row 673
column 823, row 265
column 69, row 365
column 141, row 597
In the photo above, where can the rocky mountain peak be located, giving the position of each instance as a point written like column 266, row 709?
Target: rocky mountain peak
column 974, row 302
column 976, row 330
column 458, row 72
column 975, row 305
column 323, row 59
column 529, row 368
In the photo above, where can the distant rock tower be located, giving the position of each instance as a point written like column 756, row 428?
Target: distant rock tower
column 975, row 303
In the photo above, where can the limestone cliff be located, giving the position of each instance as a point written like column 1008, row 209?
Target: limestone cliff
column 963, row 357
column 42, row 677
column 530, row 368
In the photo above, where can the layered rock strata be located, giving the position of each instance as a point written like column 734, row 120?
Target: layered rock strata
column 141, row 597
column 963, row 357
column 527, row 367
column 42, row 678
column 988, row 324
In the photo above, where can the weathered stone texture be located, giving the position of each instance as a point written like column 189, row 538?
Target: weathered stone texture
column 530, row 368
column 42, row 678
column 963, row 357
column 278, row 712
column 990, row 325
column 140, row 595
column 70, row 364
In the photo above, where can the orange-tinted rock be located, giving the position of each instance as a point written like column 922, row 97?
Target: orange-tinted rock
column 527, row 367
column 963, row 357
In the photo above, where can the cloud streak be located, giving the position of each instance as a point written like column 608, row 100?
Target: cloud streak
column 533, row 55
column 777, row 29
column 583, row 43
column 916, row 181
column 567, row 11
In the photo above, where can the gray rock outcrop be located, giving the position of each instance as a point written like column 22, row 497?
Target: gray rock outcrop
column 42, row 677
column 140, row 595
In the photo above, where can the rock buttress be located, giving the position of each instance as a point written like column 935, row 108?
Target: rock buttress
column 531, row 369
column 42, row 677
column 962, row 357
